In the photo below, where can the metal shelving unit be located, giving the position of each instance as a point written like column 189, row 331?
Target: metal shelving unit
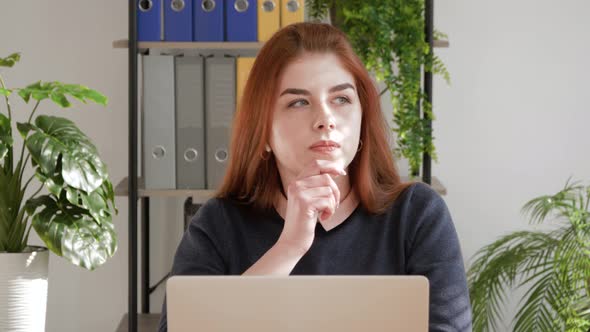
column 133, row 187
column 429, row 33
column 132, row 171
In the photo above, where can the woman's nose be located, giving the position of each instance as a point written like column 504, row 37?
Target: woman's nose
column 325, row 119
column 325, row 124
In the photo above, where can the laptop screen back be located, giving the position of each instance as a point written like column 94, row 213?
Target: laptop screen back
column 297, row 303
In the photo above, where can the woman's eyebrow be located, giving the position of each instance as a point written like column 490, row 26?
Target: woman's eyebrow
column 304, row 92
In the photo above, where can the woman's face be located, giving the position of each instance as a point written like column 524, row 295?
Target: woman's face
column 317, row 101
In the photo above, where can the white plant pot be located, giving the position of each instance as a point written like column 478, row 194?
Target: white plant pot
column 23, row 289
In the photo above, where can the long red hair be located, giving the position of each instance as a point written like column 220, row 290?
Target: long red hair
column 251, row 179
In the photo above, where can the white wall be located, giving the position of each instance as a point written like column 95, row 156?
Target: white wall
column 509, row 128
column 70, row 41
column 513, row 124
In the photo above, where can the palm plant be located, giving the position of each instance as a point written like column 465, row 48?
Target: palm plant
column 554, row 265
column 74, row 219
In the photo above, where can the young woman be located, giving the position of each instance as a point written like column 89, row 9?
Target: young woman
column 311, row 186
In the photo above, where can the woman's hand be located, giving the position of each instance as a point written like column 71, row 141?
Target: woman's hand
column 311, row 195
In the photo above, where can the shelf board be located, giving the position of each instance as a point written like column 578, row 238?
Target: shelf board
column 441, row 44
column 200, row 196
column 145, row 322
column 124, row 43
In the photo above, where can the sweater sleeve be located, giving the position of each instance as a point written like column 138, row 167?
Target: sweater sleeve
column 197, row 253
column 434, row 252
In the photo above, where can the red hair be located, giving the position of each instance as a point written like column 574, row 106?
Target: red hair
column 252, row 180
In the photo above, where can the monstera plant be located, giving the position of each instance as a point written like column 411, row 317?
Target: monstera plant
column 74, row 217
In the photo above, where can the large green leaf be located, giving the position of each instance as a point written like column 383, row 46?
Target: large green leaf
column 58, row 92
column 24, row 128
column 10, row 60
column 5, row 92
column 69, row 231
column 83, row 93
column 5, row 136
column 54, row 183
column 56, row 138
column 94, row 202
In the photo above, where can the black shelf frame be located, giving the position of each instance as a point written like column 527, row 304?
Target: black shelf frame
column 429, row 33
column 132, row 171
column 133, row 196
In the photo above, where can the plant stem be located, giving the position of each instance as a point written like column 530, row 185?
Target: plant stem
column 23, row 167
column 27, row 184
column 33, row 112
column 36, row 192
column 28, row 232
column 22, row 150
column 6, row 98
column 10, row 162
column 26, row 237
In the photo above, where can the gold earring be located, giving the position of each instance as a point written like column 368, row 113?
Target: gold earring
column 360, row 145
column 265, row 156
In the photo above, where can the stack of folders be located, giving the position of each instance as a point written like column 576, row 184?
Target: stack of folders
column 215, row 20
column 188, row 105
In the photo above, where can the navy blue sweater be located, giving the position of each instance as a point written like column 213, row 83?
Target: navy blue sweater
column 415, row 236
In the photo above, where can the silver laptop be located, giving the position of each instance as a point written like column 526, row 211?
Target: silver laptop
column 297, row 303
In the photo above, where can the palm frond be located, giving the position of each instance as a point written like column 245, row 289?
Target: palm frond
column 537, row 313
column 496, row 268
column 560, row 203
column 553, row 265
column 539, row 307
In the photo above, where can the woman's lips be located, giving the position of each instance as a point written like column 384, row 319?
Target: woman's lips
column 324, row 149
column 323, row 143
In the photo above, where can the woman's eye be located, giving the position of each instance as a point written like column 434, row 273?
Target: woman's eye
column 343, row 100
column 296, row 102
column 346, row 100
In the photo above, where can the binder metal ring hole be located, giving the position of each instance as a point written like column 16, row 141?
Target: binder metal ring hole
column 268, row 5
column 293, row 5
column 241, row 5
column 221, row 155
column 158, row 152
column 177, row 5
column 208, row 5
column 190, row 155
column 145, row 5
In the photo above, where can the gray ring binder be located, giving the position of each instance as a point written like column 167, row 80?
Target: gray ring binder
column 221, row 155
column 158, row 152
column 190, row 122
column 191, row 155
